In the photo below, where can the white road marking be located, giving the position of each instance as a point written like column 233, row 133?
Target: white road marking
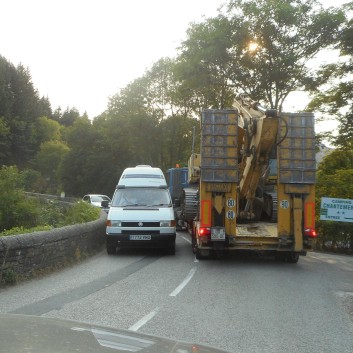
column 181, row 286
column 144, row 320
column 189, row 241
column 186, row 239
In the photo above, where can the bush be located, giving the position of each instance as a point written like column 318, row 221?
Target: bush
column 52, row 213
column 15, row 208
column 22, row 230
column 335, row 236
column 82, row 212
column 9, row 276
column 21, row 214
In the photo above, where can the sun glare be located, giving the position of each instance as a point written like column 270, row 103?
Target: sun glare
column 253, row 46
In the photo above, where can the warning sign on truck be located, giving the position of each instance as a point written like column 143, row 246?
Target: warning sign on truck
column 339, row 210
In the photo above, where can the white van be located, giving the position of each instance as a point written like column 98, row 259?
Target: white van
column 141, row 212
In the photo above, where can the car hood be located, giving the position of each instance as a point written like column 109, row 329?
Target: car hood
column 22, row 333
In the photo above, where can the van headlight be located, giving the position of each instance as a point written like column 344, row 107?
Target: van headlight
column 111, row 223
column 168, row 223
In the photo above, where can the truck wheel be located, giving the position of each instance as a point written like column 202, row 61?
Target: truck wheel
column 201, row 254
column 194, row 245
column 111, row 249
column 218, row 254
column 280, row 256
column 198, row 254
column 292, row 257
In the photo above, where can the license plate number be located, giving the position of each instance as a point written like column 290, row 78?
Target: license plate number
column 140, row 237
column 218, row 234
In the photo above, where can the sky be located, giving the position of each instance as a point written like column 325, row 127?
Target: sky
column 81, row 52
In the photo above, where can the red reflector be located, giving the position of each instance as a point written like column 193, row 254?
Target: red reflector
column 310, row 233
column 203, row 232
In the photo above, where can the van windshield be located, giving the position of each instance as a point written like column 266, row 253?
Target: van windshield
column 141, row 197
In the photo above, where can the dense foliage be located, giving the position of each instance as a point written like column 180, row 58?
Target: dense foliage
column 258, row 47
column 20, row 213
column 15, row 209
column 335, row 177
column 334, row 96
column 150, row 121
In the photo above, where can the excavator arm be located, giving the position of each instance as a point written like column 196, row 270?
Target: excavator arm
column 260, row 134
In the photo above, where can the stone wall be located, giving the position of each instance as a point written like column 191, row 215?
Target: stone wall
column 25, row 256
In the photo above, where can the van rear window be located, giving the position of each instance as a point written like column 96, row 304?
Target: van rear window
column 147, row 176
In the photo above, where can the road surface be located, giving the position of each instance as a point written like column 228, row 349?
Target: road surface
column 238, row 303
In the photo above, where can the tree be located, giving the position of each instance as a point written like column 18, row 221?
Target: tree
column 45, row 108
column 334, row 97
column 7, row 74
column 48, row 161
column 5, row 150
column 76, row 173
column 336, row 160
column 25, row 95
column 134, row 115
column 112, row 149
column 287, row 35
column 69, row 116
column 46, row 129
column 334, row 179
column 204, row 65
column 177, row 131
column 20, row 106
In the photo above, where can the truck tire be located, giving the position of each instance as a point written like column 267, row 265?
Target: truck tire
column 200, row 254
column 292, row 257
column 280, row 256
column 194, row 245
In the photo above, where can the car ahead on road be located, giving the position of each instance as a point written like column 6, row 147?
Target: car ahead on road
column 96, row 200
column 37, row 334
column 141, row 214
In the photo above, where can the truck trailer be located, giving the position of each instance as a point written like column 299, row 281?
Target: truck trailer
column 252, row 184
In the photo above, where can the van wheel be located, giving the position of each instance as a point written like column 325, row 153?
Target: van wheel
column 111, row 249
column 171, row 250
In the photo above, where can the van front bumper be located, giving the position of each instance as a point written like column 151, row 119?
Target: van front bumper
column 141, row 239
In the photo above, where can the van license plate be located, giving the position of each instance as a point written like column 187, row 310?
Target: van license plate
column 140, row 237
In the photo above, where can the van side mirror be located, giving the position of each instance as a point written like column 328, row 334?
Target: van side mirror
column 105, row 204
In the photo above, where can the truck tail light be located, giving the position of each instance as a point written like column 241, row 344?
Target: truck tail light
column 310, row 233
column 204, row 232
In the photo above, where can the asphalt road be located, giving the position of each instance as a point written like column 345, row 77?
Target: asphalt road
column 237, row 303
